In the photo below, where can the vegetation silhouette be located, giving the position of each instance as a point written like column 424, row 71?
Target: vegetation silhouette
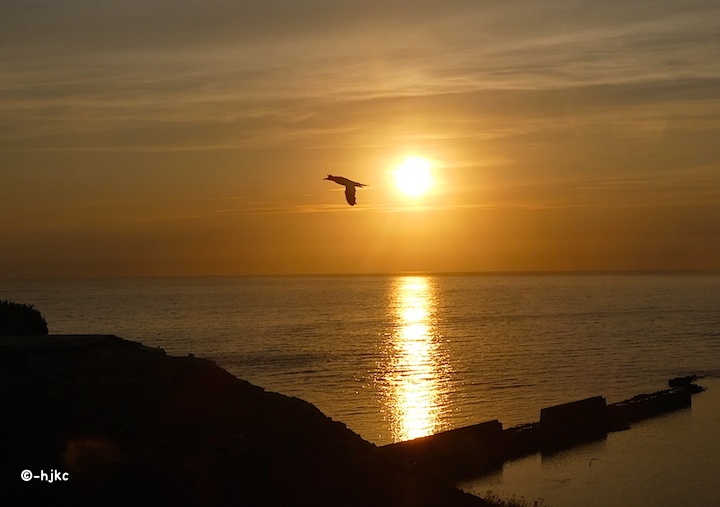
column 21, row 320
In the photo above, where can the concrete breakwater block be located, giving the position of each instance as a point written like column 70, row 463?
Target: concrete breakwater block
column 572, row 423
column 454, row 453
column 643, row 406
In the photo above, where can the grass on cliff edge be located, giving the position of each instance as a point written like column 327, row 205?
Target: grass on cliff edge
column 494, row 499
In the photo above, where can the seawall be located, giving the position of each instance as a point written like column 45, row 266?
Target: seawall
column 478, row 449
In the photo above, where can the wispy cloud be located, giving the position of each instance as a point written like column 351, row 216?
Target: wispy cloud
column 191, row 58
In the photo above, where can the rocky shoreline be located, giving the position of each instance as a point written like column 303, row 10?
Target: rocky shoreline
column 130, row 425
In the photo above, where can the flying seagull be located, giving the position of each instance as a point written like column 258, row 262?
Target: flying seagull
column 349, row 187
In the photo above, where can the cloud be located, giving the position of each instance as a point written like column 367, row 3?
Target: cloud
column 235, row 51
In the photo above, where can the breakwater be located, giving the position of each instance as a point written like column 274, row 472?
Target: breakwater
column 481, row 448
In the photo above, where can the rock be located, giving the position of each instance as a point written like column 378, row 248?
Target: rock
column 687, row 383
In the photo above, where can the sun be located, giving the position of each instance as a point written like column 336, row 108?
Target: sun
column 413, row 177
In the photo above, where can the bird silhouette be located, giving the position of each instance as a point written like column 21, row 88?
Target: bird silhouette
column 349, row 187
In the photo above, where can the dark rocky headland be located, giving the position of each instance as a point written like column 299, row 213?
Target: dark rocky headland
column 131, row 425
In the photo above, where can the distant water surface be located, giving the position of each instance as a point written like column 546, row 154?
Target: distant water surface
column 396, row 357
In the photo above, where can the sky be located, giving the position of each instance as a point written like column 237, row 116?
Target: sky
column 187, row 137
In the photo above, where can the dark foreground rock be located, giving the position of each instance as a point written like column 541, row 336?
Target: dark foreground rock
column 130, row 425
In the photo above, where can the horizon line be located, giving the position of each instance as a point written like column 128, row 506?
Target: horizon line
column 586, row 272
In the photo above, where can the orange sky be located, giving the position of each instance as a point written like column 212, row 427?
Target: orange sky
column 182, row 137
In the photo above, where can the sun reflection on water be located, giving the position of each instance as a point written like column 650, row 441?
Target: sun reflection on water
column 415, row 375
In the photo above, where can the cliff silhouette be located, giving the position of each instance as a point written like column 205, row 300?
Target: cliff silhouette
column 131, row 425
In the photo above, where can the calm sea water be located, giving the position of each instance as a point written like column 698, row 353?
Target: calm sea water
column 400, row 357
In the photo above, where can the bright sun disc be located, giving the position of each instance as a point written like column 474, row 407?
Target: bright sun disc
column 412, row 177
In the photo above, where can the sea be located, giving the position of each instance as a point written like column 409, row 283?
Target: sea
column 395, row 357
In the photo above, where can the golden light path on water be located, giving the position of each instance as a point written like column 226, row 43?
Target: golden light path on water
column 415, row 374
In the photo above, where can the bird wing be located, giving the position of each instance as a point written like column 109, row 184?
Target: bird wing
column 341, row 180
column 350, row 195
